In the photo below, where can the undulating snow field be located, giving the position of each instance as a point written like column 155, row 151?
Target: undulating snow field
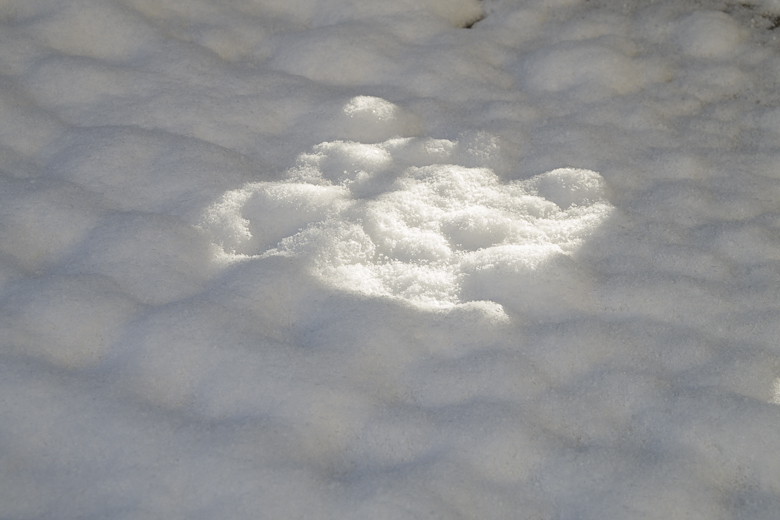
column 390, row 259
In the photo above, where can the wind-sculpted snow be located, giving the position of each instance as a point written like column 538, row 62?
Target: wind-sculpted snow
column 402, row 219
column 351, row 259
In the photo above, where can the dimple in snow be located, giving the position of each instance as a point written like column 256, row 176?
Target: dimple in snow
column 401, row 219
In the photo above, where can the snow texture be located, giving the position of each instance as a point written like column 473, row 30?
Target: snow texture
column 349, row 259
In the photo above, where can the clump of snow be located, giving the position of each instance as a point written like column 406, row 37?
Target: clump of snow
column 574, row 64
column 712, row 34
column 369, row 223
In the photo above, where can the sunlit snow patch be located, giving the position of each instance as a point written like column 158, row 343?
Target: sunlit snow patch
column 775, row 391
column 399, row 219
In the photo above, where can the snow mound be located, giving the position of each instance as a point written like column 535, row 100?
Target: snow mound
column 709, row 34
column 405, row 219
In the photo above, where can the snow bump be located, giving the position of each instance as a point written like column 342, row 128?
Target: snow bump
column 368, row 222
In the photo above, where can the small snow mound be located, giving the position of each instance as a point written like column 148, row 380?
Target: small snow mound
column 318, row 13
column 370, row 106
column 68, row 321
column 577, row 65
column 775, row 391
column 460, row 13
column 369, row 119
column 709, row 34
column 405, row 219
column 570, row 187
column 770, row 6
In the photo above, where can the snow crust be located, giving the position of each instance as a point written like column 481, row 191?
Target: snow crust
column 389, row 259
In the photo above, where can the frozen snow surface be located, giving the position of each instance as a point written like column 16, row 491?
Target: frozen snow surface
column 389, row 259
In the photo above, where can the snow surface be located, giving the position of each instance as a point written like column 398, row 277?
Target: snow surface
column 389, row 259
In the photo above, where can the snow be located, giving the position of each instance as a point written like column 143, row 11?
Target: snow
column 389, row 259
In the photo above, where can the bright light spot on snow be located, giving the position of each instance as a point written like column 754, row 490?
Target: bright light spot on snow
column 775, row 392
column 377, row 107
column 416, row 234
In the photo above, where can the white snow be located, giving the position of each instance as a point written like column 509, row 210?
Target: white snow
column 389, row 259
